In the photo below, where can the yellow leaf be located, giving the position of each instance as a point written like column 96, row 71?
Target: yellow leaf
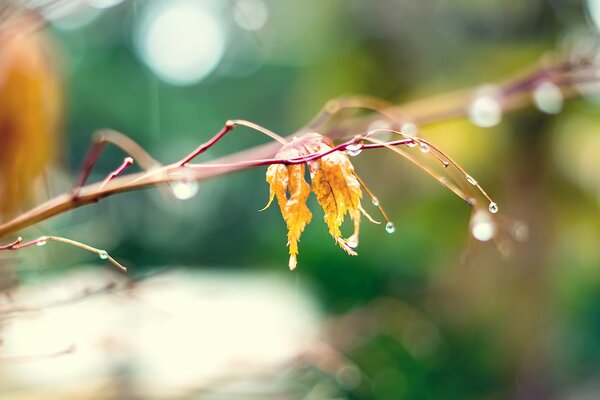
column 334, row 183
column 338, row 192
column 287, row 183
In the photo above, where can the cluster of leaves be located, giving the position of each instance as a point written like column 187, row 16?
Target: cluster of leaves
column 333, row 181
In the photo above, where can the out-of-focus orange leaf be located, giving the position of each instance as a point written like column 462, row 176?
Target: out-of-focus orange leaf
column 334, row 183
column 30, row 109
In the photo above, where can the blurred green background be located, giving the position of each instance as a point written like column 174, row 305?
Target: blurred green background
column 524, row 327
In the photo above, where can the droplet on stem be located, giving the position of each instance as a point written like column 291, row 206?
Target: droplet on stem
column 103, row 254
column 41, row 243
column 471, row 180
column 390, row 228
column 493, row 207
column 354, row 149
column 375, row 201
column 424, row 147
column 352, row 241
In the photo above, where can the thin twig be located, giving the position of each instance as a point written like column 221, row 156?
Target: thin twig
column 430, row 111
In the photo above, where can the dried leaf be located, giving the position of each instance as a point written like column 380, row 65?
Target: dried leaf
column 292, row 191
column 337, row 190
column 336, row 187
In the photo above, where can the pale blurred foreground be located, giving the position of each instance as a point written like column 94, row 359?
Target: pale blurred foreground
column 173, row 335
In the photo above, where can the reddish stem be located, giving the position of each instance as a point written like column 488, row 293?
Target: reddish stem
column 208, row 144
column 127, row 162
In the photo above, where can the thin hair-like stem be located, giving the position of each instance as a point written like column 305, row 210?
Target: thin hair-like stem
column 99, row 141
column 228, row 127
column 42, row 240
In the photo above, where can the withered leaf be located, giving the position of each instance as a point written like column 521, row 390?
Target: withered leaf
column 336, row 187
column 290, row 180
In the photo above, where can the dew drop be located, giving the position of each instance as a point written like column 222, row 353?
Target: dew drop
column 103, row 254
column 412, row 143
column 493, row 207
column 548, row 98
column 424, row 147
column 390, row 228
column 352, row 242
column 485, row 110
column 41, row 243
column 482, row 226
column 375, row 201
column 184, row 189
column 354, row 149
column 471, row 180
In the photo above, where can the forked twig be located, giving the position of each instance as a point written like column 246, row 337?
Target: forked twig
column 43, row 240
column 515, row 95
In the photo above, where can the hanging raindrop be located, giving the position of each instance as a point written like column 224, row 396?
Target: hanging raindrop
column 354, row 149
column 390, row 228
column 352, row 242
column 103, row 254
column 471, row 180
column 493, row 207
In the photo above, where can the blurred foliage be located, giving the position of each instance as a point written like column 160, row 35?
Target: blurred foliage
column 525, row 327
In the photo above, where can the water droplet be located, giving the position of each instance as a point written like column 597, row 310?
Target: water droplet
column 184, row 189
column 548, row 98
column 445, row 163
column 354, row 149
column 485, row 110
column 424, row 147
column 482, row 226
column 410, row 129
column 471, row 180
column 352, row 242
column 412, row 143
column 493, row 207
column 103, row 254
column 375, row 201
column 41, row 243
column 390, row 228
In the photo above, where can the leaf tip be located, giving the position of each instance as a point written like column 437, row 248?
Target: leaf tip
column 293, row 263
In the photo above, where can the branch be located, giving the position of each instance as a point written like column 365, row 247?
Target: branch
column 510, row 96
